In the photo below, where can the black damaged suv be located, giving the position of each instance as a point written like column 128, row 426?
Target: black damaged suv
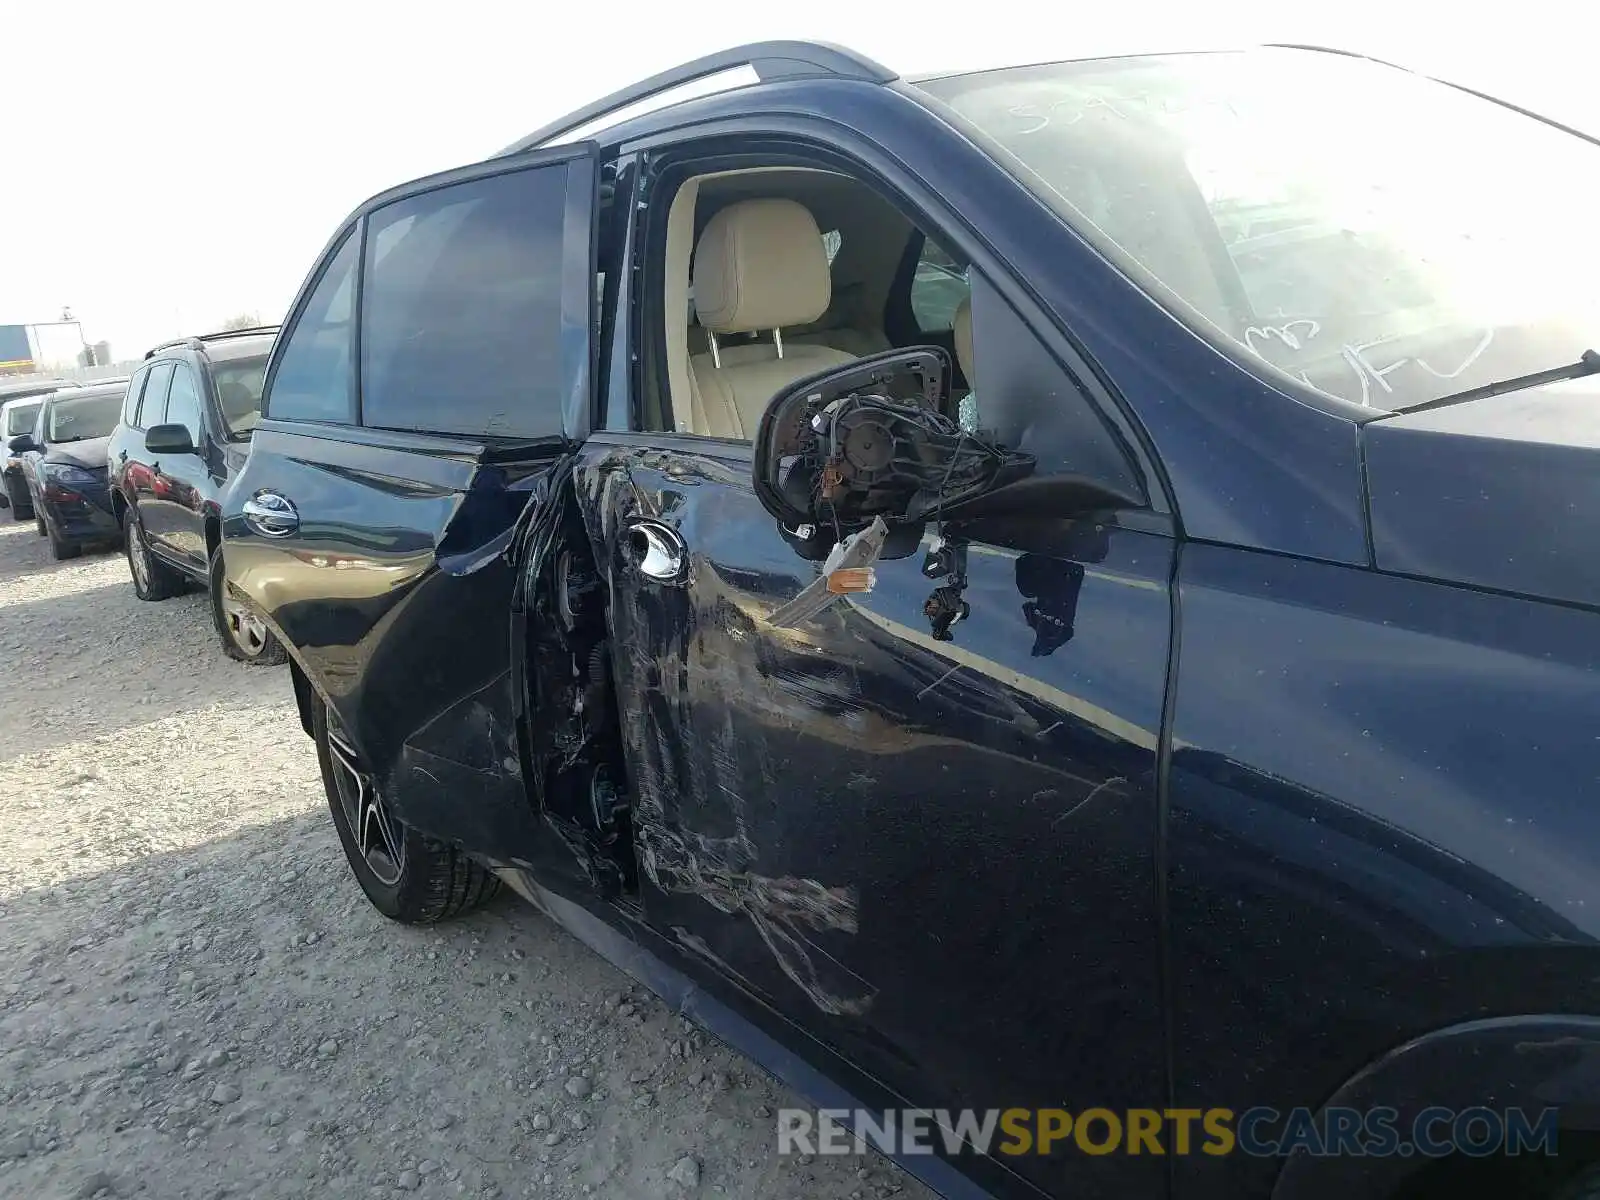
column 1065, row 589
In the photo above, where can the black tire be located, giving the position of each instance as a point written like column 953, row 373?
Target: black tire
column 59, row 547
column 244, row 635
column 21, row 502
column 431, row 881
column 156, row 580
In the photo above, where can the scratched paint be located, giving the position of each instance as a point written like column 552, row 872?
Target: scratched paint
column 722, row 871
column 716, row 860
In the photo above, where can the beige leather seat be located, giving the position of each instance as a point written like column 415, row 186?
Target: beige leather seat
column 760, row 265
column 851, row 341
column 963, row 331
column 967, row 405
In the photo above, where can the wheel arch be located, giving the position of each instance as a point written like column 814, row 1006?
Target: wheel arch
column 1533, row 1062
column 213, row 530
column 304, row 698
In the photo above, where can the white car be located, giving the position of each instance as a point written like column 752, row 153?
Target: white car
column 17, row 416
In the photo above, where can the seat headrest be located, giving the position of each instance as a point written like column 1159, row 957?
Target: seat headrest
column 963, row 332
column 760, row 264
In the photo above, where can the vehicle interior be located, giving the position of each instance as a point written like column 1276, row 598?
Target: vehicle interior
column 772, row 274
column 765, row 275
column 238, row 383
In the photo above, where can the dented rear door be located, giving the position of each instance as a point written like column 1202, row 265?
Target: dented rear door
column 432, row 370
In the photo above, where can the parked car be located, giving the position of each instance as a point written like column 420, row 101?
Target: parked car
column 64, row 466
column 1209, row 728
column 184, row 430
column 19, row 407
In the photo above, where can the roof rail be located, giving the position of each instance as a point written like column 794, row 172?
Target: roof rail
column 197, row 342
column 770, row 61
column 192, row 343
column 247, row 331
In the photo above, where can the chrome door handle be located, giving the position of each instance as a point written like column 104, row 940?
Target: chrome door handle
column 656, row 550
column 270, row 515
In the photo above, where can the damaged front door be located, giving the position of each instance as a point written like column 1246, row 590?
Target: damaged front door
column 921, row 823
column 930, row 844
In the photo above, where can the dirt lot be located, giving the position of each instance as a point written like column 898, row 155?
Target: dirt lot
column 197, row 1001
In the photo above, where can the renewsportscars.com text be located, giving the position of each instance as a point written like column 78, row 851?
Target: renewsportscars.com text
column 1260, row 1132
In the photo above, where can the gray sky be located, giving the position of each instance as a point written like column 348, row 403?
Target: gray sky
column 171, row 163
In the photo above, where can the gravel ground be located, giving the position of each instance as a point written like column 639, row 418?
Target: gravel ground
column 197, row 1001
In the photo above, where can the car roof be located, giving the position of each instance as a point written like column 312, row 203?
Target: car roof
column 769, row 62
column 222, row 345
column 100, row 387
column 765, row 61
column 33, row 388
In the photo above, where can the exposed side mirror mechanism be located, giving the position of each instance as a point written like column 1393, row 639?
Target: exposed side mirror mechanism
column 876, row 438
column 169, row 439
column 22, row 444
column 814, row 543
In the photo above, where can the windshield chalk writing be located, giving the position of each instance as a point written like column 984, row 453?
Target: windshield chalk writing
column 1370, row 372
column 1284, row 333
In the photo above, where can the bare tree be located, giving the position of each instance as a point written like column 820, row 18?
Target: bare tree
column 242, row 321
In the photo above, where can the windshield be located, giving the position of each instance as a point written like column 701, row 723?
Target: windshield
column 83, row 417
column 20, row 418
column 238, row 384
column 1377, row 236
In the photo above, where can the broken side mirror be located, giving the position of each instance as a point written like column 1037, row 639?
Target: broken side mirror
column 814, row 544
column 877, row 438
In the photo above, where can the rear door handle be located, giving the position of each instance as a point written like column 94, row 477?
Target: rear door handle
column 270, row 515
column 656, row 550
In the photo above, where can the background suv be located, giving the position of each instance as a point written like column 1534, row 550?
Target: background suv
column 64, row 466
column 19, row 406
column 185, row 427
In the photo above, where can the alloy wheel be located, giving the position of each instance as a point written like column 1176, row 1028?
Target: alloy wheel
column 248, row 631
column 377, row 835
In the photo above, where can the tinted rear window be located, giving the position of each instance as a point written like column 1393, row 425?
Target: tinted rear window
column 312, row 381
column 461, row 308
